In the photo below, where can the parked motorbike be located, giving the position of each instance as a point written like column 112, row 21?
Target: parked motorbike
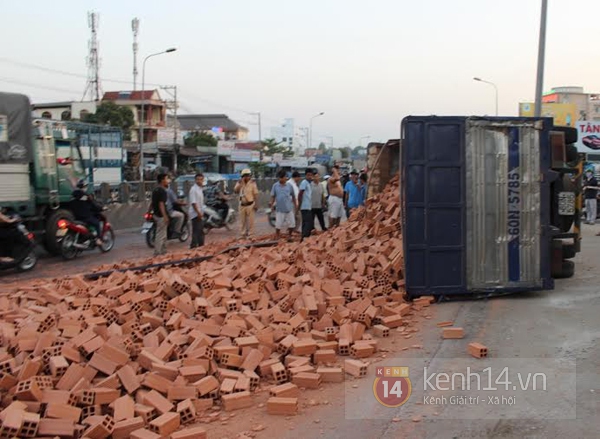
column 149, row 229
column 75, row 237
column 28, row 260
column 213, row 220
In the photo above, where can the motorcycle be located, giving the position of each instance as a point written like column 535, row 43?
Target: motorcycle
column 213, row 219
column 75, row 237
column 28, row 260
column 149, row 229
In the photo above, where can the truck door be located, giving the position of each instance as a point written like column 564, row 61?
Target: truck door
column 70, row 168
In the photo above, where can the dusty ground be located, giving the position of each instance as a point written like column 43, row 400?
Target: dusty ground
column 129, row 245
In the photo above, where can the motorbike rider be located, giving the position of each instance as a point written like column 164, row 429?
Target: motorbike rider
column 12, row 238
column 216, row 199
column 86, row 210
column 175, row 211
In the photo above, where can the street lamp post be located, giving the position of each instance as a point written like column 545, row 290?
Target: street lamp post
column 495, row 88
column 141, row 131
column 541, row 58
column 310, row 128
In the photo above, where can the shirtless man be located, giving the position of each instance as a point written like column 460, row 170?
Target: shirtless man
column 336, row 194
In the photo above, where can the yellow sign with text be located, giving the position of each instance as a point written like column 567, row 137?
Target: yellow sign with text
column 563, row 114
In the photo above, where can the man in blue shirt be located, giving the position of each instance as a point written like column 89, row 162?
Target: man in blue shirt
column 305, row 201
column 352, row 194
column 286, row 205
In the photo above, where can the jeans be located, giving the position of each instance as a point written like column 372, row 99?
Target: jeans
column 160, row 241
column 317, row 212
column 197, row 233
column 177, row 218
column 308, row 223
column 591, row 207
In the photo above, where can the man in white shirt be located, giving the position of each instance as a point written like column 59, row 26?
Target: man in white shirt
column 294, row 182
column 196, row 201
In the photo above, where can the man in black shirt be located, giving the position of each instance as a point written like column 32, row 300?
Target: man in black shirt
column 161, row 218
column 590, row 187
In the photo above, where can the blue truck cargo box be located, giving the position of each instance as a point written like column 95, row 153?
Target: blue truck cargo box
column 476, row 203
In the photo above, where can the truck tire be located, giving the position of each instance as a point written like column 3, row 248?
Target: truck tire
column 568, row 270
column 570, row 134
column 568, row 251
column 50, row 243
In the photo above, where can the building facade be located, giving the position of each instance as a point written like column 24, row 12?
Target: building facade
column 588, row 104
column 291, row 135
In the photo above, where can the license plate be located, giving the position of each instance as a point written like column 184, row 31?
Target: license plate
column 566, row 203
column 61, row 232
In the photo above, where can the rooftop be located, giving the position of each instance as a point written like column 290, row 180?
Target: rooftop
column 206, row 122
column 131, row 95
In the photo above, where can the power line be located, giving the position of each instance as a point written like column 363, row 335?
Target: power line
column 42, row 87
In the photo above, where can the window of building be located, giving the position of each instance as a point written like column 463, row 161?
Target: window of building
column 83, row 114
column 65, row 115
column 46, row 115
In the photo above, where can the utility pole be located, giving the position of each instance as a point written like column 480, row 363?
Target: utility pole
column 135, row 27
column 539, row 86
column 259, row 126
column 172, row 105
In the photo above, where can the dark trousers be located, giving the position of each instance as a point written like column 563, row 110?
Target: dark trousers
column 319, row 214
column 94, row 222
column 308, row 223
column 197, row 233
column 15, row 242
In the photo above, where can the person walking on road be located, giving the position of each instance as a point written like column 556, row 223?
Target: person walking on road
column 196, row 201
column 161, row 217
column 590, row 187
column 335, row 199
column 364, row 188
column 286, row 205
column 248, row 192
column 305, row 201
column 318, row 200
column 352, row 193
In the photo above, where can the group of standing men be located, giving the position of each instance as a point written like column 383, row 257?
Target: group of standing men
column 298, row 200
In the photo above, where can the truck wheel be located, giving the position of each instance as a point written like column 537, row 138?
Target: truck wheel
column 50, row 243
column 568, row 270
column 568, row 251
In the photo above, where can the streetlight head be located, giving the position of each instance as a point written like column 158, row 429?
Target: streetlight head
column 321, row 113
column 172, row 49
column 477, row 79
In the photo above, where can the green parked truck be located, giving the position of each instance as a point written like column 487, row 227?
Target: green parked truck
column 41, row 162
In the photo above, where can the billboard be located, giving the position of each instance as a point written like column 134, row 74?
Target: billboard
column 563, row 114
column 224, row 147
column 588, row 137
column 165, row 136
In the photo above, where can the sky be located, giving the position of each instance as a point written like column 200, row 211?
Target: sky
column 365, row 64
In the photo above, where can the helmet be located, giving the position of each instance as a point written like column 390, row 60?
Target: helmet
column 246, row 172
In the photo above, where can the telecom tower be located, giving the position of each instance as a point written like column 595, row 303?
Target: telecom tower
column 135, row 27
column 92, row 88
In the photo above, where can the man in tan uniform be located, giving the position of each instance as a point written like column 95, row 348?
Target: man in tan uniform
column 248, row 192
column 336, row 201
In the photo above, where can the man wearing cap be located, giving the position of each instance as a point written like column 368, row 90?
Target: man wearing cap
column 248, row 192
column 305, row 202
column 352, row 193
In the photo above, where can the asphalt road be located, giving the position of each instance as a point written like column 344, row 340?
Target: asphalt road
column 129, row 245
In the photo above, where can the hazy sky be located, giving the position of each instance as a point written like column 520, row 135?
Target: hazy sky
column 366, row 64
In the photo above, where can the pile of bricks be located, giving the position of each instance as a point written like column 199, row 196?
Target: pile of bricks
column 145, row 355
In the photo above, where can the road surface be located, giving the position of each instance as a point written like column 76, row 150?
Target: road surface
column 129, row 245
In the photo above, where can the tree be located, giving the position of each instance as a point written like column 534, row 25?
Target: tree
column 258, row 169
column 346, row 152
column 201, row 138
column 359, row 150
column 109, row 113
column 272, row 146
column 322, row 147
